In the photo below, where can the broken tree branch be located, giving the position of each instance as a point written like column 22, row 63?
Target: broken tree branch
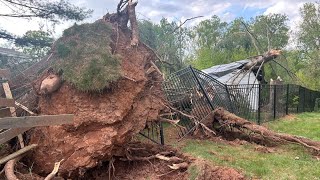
column 183, row 165
column 54, row 171
column 18, row 153
column 133, row 23
column 266, row 57
column 185, row 22
column 253, row 38
column 173, row 122
column 157, row 156
column 24, row 108
column 9, row 168
column 13, row 158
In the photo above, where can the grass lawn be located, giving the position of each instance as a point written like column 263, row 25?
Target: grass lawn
column 305, row 124
column 286, row 162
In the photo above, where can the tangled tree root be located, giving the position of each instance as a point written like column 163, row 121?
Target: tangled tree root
column 228, row 122
column 134, row 154
column 9, row 169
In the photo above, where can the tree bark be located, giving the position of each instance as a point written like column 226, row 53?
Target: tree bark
column 226, row 121
column 258, row 60
column 9, row 168
column 133, row 23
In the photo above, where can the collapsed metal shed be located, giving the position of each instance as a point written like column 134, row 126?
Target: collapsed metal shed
column 232, row 74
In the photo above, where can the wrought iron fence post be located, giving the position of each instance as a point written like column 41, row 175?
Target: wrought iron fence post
column 299, row 100
column 304, row 96
column 287, row 100
column 259, row 104
column 274, row 101
column 161, row 134
column 304, row 100
column 201, row 87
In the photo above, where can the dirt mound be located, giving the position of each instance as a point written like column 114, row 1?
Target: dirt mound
column 141, row 169
column 104, row 122
column 203, row 170
column 156, row 169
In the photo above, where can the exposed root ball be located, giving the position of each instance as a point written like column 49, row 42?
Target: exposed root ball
column 104, row 121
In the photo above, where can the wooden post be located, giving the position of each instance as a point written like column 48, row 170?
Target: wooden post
column 11, row 133
column 8, row 94
column 35, row 121
column 276, row 92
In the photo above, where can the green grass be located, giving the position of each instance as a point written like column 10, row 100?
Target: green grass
column 305, row 124
column 84, row 55
column 193, row 172
column 281, row 164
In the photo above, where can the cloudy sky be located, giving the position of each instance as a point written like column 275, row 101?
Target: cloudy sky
column 172, row 9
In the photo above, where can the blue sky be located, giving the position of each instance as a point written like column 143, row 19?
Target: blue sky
column 171, row 9
column 246, row 13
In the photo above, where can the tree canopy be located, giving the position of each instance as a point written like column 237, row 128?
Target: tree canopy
column 213, row 41
column 53, row 11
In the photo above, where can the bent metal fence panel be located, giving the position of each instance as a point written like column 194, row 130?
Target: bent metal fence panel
column 154, row 132
column 195, row 93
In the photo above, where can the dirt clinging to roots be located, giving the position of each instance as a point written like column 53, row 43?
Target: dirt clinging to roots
column 104, row 122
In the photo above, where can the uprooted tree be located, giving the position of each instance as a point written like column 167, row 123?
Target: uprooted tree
column 102, row 74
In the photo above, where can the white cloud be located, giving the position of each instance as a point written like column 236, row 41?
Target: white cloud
column 292, row 10
column 171, row 9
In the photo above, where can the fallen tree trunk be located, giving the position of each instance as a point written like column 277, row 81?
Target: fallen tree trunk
column 228, row 122
column 257, row 61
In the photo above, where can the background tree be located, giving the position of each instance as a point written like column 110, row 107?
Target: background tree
column 36, row 50
column 207, row 35
column 168, row 40
column 271, row 31
column 54, row 11
column 309, row 45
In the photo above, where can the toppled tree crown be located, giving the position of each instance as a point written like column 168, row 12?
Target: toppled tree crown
column 84, row 55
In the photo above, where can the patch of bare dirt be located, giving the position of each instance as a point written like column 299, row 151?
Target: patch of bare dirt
column 265, row 149
column 156, row 169
column 289, row 117
column 209, row 172
column 124, row 168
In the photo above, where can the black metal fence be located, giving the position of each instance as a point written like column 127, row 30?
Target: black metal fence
column 262, row 103
column 153, row 132
column 196, row 93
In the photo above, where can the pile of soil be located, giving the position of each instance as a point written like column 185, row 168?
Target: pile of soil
column 156, row 169
column 218, row 173
column 104, row 122
column 122, row 168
